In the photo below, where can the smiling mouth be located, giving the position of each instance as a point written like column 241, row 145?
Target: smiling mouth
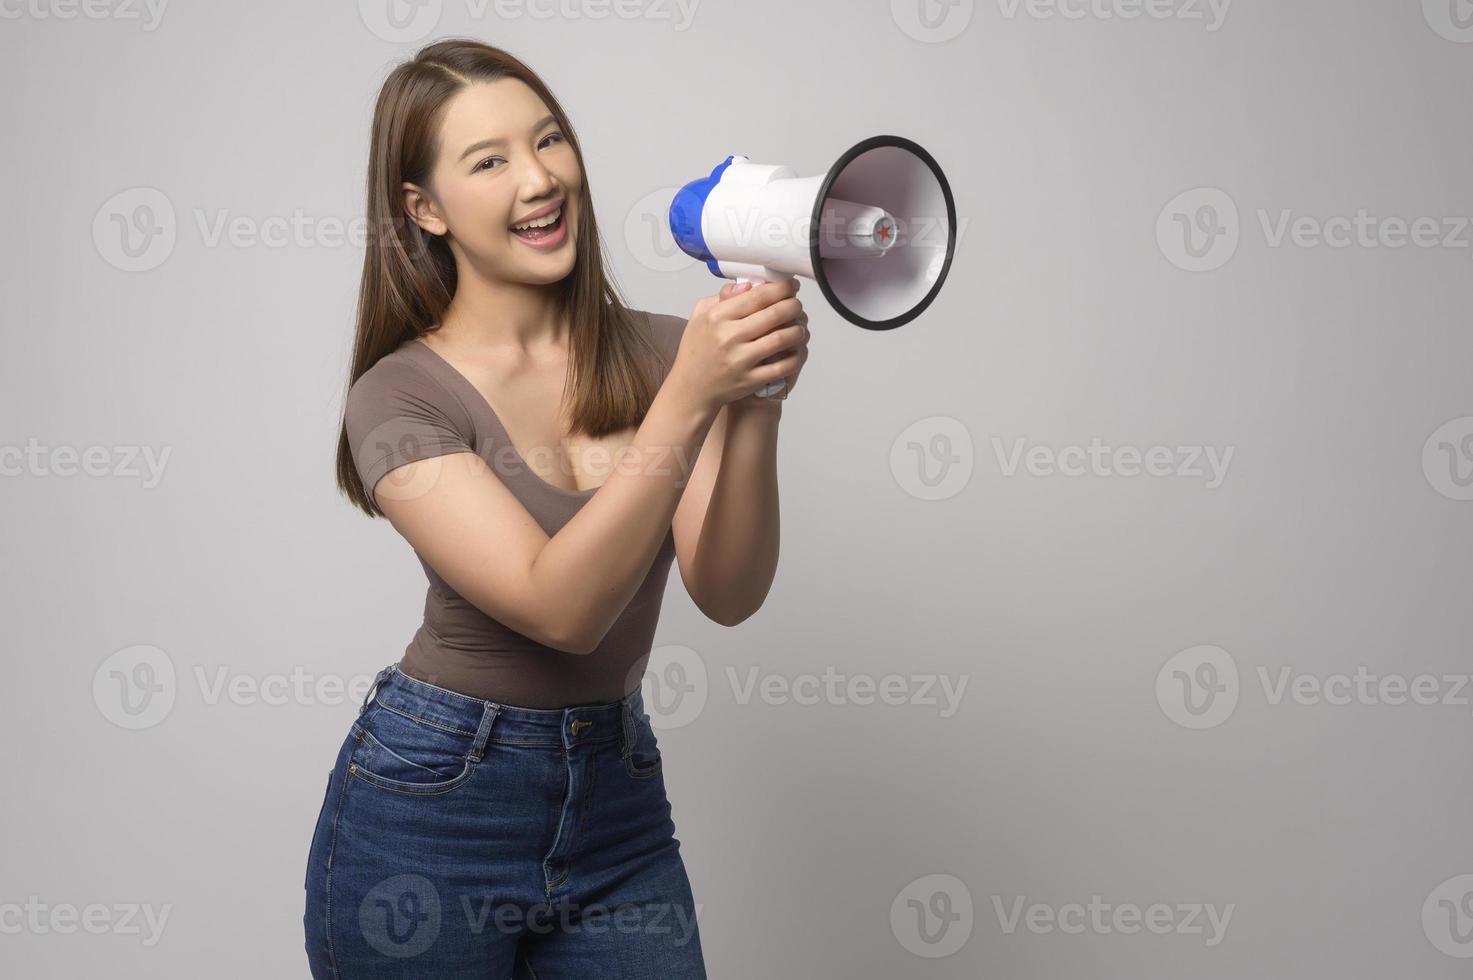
column 544, row 227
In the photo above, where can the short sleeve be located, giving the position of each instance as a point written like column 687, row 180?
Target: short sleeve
column 396, row 414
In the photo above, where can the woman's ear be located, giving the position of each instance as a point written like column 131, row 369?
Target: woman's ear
column 419, row 206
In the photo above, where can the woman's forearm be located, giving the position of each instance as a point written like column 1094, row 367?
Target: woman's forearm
column 598, row 560
column 736, row 557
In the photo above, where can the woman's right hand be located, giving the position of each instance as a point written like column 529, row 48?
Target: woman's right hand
column 730, row 334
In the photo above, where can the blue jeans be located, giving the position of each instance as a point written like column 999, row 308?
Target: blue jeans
column 466, row 838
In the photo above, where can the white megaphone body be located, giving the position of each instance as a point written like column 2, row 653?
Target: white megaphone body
column 877, row 232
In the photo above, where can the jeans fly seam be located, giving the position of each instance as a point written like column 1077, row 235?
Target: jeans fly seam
column 583, row 806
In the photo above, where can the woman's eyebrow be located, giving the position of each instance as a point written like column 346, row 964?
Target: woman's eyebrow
column 487, row 144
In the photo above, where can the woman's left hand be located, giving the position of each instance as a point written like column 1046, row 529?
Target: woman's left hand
column 755, row 400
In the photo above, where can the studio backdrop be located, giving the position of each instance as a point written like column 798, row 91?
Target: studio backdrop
column 1121, row 625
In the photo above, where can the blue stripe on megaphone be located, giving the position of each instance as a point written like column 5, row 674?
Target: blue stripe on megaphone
column 685, row 215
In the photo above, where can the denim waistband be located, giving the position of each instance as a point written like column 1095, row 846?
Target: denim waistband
column 503, row 722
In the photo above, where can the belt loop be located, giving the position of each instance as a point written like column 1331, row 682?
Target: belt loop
column 626, row 718
column 378, row 682
column 488, row 716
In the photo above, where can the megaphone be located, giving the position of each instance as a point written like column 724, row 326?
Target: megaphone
column 877, row 232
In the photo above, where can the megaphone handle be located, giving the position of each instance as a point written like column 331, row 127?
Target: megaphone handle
column 773, row 388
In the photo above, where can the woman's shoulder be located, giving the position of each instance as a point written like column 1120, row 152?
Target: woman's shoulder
column 401, row 383
column 397, row 412
column 401, row 369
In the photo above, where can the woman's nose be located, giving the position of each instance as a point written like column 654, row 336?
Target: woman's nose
column 537, row 180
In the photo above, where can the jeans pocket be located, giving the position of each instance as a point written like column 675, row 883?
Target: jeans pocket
column 404, row 754
column 641, row 748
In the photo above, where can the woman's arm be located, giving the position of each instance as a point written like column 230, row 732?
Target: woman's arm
column 726, row 527
column 568, row 590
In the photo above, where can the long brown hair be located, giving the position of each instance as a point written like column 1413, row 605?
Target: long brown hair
column 409, row 275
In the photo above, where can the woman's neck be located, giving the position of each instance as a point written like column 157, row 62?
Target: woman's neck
column 524, row 316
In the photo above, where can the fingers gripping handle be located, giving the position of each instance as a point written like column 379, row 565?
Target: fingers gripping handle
column 773, row 389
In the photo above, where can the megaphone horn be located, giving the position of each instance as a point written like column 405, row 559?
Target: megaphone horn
column 845, row 229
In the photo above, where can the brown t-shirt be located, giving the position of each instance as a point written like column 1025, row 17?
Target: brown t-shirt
column 412, row 405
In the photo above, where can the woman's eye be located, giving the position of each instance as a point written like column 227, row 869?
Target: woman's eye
column 482, row 165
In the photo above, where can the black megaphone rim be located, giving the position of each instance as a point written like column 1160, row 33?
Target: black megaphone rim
column 821, row 276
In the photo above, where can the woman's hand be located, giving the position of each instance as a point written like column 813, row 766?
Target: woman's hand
column 740, row 340
column 755, row 400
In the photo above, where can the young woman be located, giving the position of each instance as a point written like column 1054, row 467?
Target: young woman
column 498, row 808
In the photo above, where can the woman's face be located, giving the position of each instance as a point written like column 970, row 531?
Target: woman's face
column 502, row 159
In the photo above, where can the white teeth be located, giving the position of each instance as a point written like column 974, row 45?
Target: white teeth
column 541, row 222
